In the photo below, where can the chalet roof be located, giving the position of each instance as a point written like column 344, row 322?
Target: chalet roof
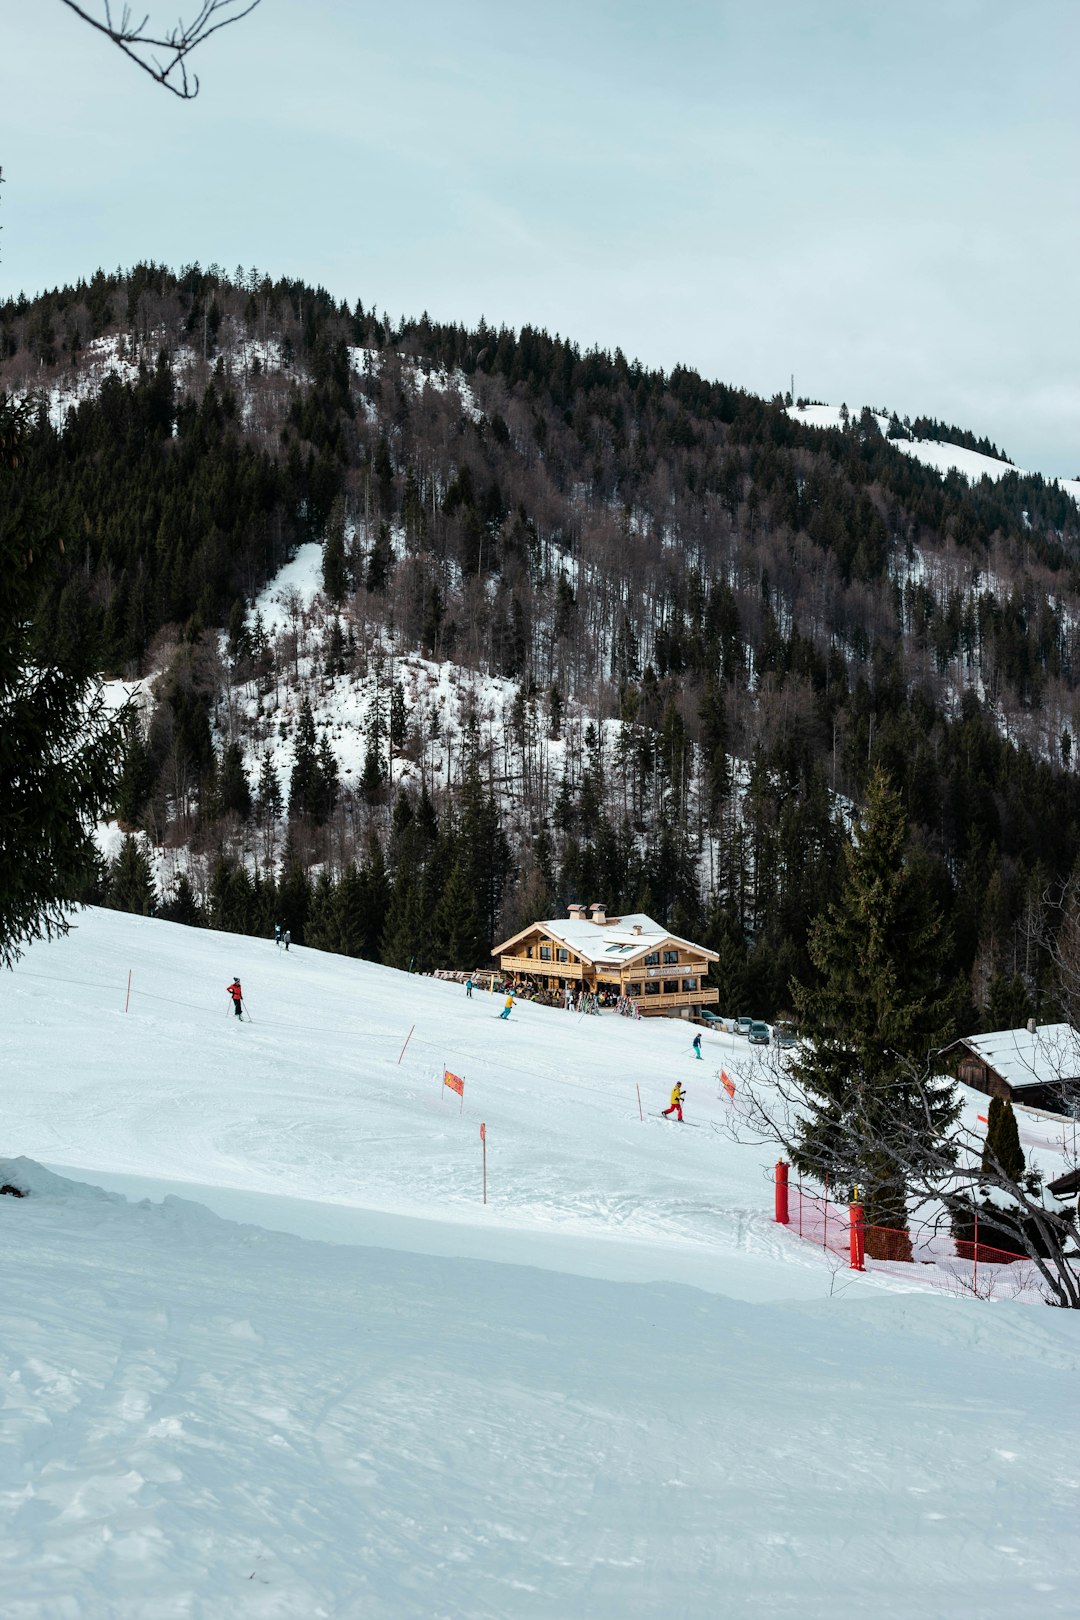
column 1025, row 1058
column 1066, row 1186
column 608, row 944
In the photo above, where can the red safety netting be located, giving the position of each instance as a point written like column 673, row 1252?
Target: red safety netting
column 956, row 1265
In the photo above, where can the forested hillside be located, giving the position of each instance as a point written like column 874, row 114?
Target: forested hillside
column 680, row 625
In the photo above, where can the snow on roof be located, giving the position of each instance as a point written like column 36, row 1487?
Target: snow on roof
column 1023, row 1058
column 615, row 941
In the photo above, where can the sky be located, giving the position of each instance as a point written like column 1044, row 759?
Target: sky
column 880, row 200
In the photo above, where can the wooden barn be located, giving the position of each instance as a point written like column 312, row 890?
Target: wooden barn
column 630, row 956
column 1038, row 1066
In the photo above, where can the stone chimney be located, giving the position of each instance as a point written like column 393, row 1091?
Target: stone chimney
column 576, row 913
column 599, row 914
column 636, row 928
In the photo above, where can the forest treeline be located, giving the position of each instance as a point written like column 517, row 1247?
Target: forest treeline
column 741, row 615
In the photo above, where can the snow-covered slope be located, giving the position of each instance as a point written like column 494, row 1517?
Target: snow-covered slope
column 615, row 1390
column 971, row 464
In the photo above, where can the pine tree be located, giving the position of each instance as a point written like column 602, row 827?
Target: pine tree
column 1002, row 1153
column 130, row 881
column 136, row 777
column 878, row 1007
column 268, row 792
column 183, row 906
column 335, row 571
column 304, row 784
column 234, row 794
column 455, row 926
column 60, row 751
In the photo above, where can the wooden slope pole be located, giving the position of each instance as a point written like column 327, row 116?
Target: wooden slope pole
column 408, row 1038
column 127, row 998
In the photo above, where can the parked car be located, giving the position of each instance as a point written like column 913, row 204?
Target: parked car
column 710, row 1019
column 758, row 1034
column 741, row 1026
column 783, row 1033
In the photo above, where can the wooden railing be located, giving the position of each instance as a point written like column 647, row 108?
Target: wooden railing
column 684, row 998
column 537, row 968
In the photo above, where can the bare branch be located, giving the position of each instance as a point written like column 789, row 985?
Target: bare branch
column 893, row 1141
column 163, row 55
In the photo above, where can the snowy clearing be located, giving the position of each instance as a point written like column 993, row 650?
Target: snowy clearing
column 328, row 1381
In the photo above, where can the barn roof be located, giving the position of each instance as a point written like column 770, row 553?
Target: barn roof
column 1024, row 1057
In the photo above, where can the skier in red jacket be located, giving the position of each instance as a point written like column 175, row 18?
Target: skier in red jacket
column 237, row 994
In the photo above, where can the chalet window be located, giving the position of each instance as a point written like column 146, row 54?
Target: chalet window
column 670, row 957
column 689, row 984
column 528, row 950
column 653, row 959
column 545, row 953
column 671, row 987
column 633, row 989
column 652, row 988
column 562, row 956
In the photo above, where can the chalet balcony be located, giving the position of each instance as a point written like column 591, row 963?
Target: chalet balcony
column 536, row 968
column 677, row 1000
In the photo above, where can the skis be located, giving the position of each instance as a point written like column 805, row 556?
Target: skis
column 671, row 1120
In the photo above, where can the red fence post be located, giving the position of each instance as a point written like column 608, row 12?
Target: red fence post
column 857, row 1237
column 781, row 1192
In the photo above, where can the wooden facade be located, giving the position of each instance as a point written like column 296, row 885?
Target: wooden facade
column 627, row 956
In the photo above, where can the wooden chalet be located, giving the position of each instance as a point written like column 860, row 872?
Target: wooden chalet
column 630, row 956
column 1038, row 1066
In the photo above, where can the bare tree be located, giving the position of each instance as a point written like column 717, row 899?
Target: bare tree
column 163, row 51
column 876, row 1145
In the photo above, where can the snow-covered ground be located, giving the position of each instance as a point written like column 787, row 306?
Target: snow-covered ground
column 936, row 453
column 314, row 1375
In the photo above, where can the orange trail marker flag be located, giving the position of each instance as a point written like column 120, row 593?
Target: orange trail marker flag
column 728, row 1085
column 455, row 1083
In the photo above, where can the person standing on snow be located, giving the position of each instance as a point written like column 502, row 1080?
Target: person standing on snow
column 287, row 936
column 677, row 1096
column 697, row 1046
column 508, row 1007
column 237, row 994
column 277, row 935
column 468, row 989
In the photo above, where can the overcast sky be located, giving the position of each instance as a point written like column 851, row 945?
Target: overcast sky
column 881, row 198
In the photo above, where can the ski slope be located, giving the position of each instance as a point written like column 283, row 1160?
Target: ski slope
column 302, row 1370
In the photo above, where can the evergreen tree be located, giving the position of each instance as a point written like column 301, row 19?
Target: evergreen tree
column 305, row 785
column 60, row 751
column 234, row 794
column 455, row 926
column 268, row 792
column 878, row 1007
column 294, row 898
column 130, row 881
column 183, row 906
column 335, row 572
column 1002, row 1153
column 136, row 776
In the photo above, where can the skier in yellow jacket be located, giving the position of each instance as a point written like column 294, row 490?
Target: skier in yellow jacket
column 677, row 1096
